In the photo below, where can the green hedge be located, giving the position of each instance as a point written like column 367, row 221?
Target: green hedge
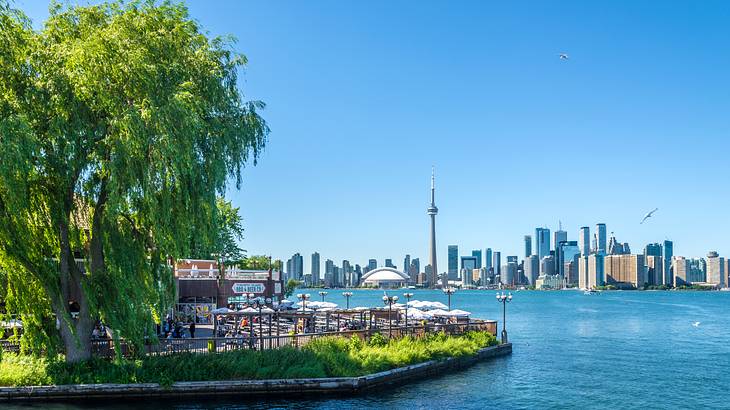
column 324, row 357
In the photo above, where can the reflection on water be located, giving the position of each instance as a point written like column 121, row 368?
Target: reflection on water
column 613, row 350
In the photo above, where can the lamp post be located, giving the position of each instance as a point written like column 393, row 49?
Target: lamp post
column 347, row 296
column 259, row 304
column 408, row 297
column 389, row 300
column 303, row 297
column 504, row 299
column 449, row 292
column 322, row 294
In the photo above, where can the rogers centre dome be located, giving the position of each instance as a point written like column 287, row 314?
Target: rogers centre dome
column 384, row 278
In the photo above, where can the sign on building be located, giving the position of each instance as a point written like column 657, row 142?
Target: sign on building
column 249, row 288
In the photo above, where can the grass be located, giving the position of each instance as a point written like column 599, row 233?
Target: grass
column 324, row 357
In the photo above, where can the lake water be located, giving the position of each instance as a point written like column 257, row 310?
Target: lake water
column 617, row 349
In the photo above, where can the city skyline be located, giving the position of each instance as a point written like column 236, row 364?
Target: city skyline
column 640, row 103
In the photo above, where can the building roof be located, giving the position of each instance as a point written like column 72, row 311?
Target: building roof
column 385, row 275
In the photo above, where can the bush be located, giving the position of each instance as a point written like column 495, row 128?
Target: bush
column 322, row 357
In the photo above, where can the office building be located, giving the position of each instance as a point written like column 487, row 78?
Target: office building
column 407, row 264
column 389, row 263
column 600, row 238
column 668, row 252
column 559, row 236
column 547, row 266
column 624, row 271
column 584, row 241
column 329, row 273
column 528, row 245
column 532, row 269
column 314, row 269
column 542, row 242
column 654, row 270
column 567, row 252
column 496, row 263
column 477, row 253
column 697, row 272
column 590, row 271
column 468, row 264
column 372, row 264
column 653, row 249
column 453, row 262
column 680, row 266
column 488, row 262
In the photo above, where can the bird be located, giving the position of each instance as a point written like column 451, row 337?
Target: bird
column 563, row 56
column 696, row 324
column 648, row 215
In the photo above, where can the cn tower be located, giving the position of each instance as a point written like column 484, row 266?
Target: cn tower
column 432, row 211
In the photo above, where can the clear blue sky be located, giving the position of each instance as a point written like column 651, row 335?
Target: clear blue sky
column 363, row 97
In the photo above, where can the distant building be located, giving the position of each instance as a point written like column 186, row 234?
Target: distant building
column 559, row 236
column 542, row 242
column 477, row 253
column 549, row 282
column 389, row 263
column 584, row 240
column 668, row 252
column 407, row 265
column 532, row 269
column 624, row 271
column 372, row 264
column 547, row 266
column 601, row 238
column 617, row 248
column 314, row 270
column 468, row 264
column 654, row 270
column 329, row 273
column 385, row 278
column 716, row 273
column 453, row 262
column 567, row 252
column 488, row 262
column 496, row 263
column 680, row 266
column 591, row 271
column 528, row 245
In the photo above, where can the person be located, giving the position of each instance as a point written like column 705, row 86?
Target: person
column 192, row 329
column 95, row 334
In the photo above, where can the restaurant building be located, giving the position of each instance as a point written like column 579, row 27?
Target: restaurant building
column 204, row 285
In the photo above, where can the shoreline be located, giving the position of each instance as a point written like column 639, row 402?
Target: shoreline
column 243, row 388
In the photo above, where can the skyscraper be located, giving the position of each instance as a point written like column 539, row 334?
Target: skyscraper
column 477, row 253
column 314, row 270
column 567, row 252
column 453, row 262
column 528, row 245
column 329, row 273
column 406, row 264
column 716, row 269
column 432, row 211
column 542, row 242
column 497, row 263
column 668, row 251
column 559, row 236
column 372, row 264
column 584, row 240
column 601, row 238
column 488, row 263
column 389, row 263
column 532, row 269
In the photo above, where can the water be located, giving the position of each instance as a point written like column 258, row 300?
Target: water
column 613, row 350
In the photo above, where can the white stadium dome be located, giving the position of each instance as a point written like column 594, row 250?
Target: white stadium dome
column 385, row 278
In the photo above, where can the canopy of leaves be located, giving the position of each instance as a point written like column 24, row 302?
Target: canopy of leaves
column 120, row 125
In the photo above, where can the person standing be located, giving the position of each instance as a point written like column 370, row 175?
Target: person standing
column 192, row 329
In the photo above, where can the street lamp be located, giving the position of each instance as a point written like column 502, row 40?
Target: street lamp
column 347, row 296
column 303, row 297
column 249, row 296
column 408, row 297
column 258, row 303
column 389, row 300
column 504, row 299
column 449, row 292
column 323, row 294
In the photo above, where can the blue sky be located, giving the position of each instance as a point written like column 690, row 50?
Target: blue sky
column 363, row 97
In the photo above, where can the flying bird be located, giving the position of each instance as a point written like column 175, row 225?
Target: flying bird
column 647, row 216
column 563, row 56
column 696, row 324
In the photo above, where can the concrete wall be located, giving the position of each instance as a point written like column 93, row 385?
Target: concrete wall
column 338, row 385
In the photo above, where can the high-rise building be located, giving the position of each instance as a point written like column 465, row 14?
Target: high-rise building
column 389, row 263
column 601, row 238
column 407, row 264
column 528, row 245
column 680, row 266
column 432, row 211
column 488, row 262
column 314, row 270
column 567, row 252
column 296, row 267
column 509, row 272
column 497, row 263
column 547, row 266
column 559, row 236
column 414, row 269
column 532, row 269
column 653, row 249
column 624, row 270
column 477, row 253
column 346, row 269
column 668, row 252
column 584, row 241
column 372, row 264
column 716, row 274
column 542, row 242
column 617, row 248
column 453, row 262
column 654, row 270
column 468, row 264
column 590, row 271
column 329, row 273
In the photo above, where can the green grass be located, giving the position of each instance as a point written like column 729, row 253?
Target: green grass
column 325, row 357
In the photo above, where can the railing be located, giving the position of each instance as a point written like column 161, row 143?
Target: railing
column 106, row 348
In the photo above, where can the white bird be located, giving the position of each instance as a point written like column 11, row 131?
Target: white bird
column 647, row 216
column 696, row 324
column 563, row 56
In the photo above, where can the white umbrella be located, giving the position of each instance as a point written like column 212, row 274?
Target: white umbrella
column 267, row 310
column 222, row 310
column 318, row 305
column 249, row 310
column 426, row 305
column 450, row 313
column 360, row 308
column 418, row 315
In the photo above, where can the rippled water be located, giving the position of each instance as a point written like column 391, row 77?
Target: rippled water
column 613, row 350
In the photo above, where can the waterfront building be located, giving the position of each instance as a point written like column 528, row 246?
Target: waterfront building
column 314, row 269
column 528, row 245
column 567, row 252
column 542, row 242
column 617, row 248
column 584, row 240
column 432, row 211
column 414, row 269
column 559, row 236
column 532, row 269
column 468, row 263
column 547, row 265
column 570, row 271
column 496, row 263
column 477, row 253
column 295, row 267
column 600, row 238
column 329, row 273
column 484, row 277
column 389, row 263
column 655, row 270
column 545, row 282
column 591, row 271
column 453, row 262
column 668, row 252
column 385, row 278
column 697, row 272
column 680, row 266
column 372, row 264
column 653, row 249
column 407, row 265
column 624, row 271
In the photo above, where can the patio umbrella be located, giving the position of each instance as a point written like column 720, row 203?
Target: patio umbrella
column 450, row 313
column 222, row 310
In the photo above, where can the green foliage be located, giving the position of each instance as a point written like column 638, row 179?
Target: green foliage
column 377, row 340
column 322, row 357
column 224, row 241
column 120, row 125
column 290, row 287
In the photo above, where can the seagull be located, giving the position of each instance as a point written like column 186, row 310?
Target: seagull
column 647, row 216
column 696, row 324
column 563, row 56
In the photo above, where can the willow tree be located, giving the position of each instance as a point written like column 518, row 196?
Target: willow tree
column 120, row 124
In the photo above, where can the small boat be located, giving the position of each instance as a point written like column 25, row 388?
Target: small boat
column 590, row 292
column 411, row 287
